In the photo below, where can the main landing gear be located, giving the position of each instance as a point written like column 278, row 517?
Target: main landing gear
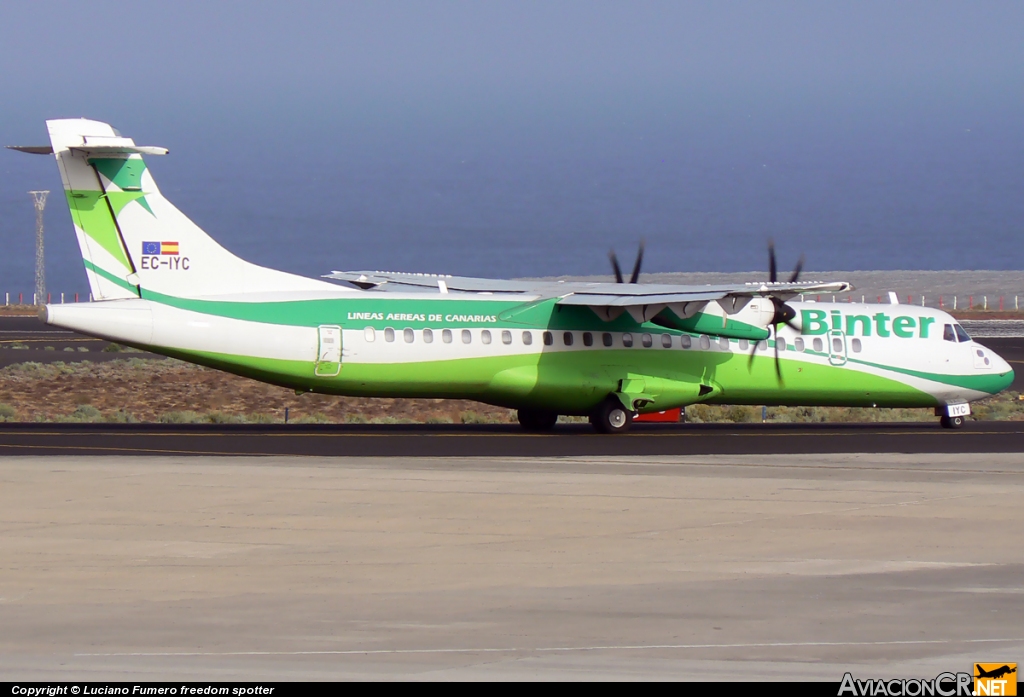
column 611, row 417
column 537, row 420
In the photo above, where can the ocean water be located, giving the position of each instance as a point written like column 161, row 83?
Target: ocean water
column 518, row 200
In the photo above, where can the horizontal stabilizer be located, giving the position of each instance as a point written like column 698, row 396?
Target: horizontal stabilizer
column 32, row 149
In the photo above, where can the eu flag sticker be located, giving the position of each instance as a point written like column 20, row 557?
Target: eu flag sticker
column 159, row 248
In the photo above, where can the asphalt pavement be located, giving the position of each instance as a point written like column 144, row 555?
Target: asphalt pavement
column 570, row 440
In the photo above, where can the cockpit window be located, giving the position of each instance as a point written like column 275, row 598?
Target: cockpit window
column 948, row 334
column 961, row 334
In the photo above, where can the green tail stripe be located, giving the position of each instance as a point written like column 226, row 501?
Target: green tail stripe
column 110, row 277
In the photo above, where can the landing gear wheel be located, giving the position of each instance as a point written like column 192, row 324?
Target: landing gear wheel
column 951, row 421
column 537, row 420
column 611, row 417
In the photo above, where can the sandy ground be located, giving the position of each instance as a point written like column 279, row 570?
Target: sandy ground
column 799, row 567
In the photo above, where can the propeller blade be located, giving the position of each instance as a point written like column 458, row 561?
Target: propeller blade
column 778, row 365
column 615, row 265
column 796, row 271
column 639, row 260
column 772, row 275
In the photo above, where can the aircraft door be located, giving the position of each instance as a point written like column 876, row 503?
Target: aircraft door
column 328, row 362
column 837, row 347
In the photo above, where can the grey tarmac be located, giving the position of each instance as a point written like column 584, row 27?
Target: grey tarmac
column 713, row 566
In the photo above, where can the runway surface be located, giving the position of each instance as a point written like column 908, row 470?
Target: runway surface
column 759, row 567
column 571, row 440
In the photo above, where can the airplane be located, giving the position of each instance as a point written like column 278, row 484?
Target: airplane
column 608, row 351
column 994, row 673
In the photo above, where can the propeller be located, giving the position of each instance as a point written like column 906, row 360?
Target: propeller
column 784, row 314
column 635, row 276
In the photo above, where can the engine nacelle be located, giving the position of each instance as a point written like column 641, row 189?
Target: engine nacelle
column 735, row 318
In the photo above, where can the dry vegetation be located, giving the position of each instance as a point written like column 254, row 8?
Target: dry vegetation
column 169, row 391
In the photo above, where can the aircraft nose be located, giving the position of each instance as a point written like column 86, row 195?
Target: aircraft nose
column 1005, row 372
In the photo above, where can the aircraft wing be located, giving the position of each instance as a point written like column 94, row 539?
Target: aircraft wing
column 727, row 309
column 584, row 293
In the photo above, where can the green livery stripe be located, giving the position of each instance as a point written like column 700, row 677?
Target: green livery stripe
column 989, row 382
column 109, row 276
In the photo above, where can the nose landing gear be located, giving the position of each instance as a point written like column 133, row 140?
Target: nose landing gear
column 951, row 421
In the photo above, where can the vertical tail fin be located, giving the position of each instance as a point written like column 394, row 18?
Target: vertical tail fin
column 134, row 242
column 104, row 251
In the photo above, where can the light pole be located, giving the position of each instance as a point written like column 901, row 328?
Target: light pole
column 39, row 198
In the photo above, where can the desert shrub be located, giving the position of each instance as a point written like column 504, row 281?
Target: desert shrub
column 390, row 420
column 83, row 349
column 114, row 348
column 121, row 417
column 314, row 418
column 260, row 418
column 700, row 413
column 438, row 420
column 742, row 413
column 180, row 417
column 7, row 412
column 84, row 412
column 219, row 417
column 472, row 417
column 354, row 418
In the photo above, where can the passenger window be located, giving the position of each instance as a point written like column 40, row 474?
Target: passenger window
column 409, row 335
column 855, row 345
column 549, row 338
column 527, row 338
column 647, row 340
column 485, row 336
column 567, row 338
column 961, row 334
column 428, row 336
column 369, row 334
column 818, row 346
column 781, row 343
column 506, row 337
column 723, row 344
column 705, row 342
column 627, row 340
column 837, row 345
column 947, row 333
column 446, row 336
column 588, row 339
column 685, row 342
column 666, row 340
column 607, row 339
column 798, row 344
column 389, row 334
column 467, row 336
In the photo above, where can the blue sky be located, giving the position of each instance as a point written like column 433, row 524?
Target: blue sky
column 419, row 128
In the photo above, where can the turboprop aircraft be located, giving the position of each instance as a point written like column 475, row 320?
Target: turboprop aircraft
column 603, row 350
